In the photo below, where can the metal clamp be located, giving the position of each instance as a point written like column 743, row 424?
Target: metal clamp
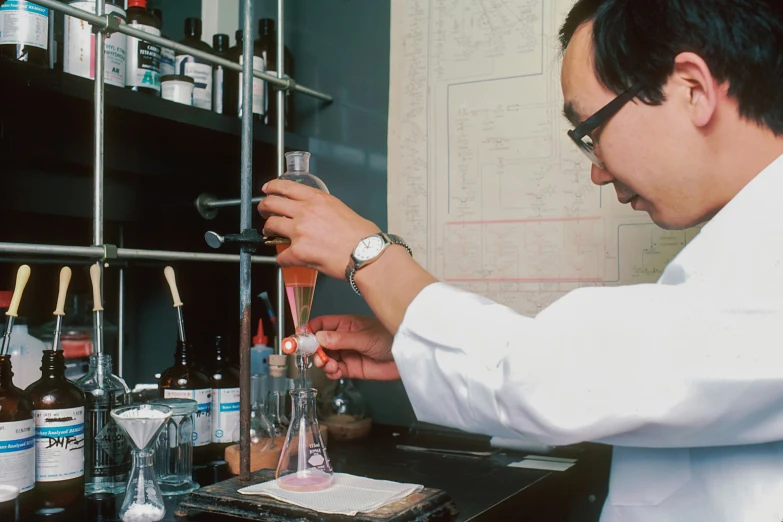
column 109, row 252
column 111, row 24
column 248, row 240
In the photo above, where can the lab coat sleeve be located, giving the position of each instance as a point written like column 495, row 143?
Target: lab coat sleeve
column 643, row 365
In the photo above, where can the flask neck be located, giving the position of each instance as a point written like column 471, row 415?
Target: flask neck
column 297, row 161
column 304, row 403
column 52, row 365
column 6, row 375
column 101, row 363
column 182, row 355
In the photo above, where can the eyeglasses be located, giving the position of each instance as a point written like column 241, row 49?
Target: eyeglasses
column 581, row 133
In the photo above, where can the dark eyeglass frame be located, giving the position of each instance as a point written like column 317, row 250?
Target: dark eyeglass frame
column 583, row 130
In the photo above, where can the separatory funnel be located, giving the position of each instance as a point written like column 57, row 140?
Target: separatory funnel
column 142, row 425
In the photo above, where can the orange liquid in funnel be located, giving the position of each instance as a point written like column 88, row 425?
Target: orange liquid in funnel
column 299, row 287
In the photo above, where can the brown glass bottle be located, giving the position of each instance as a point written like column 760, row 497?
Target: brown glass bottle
column 267, row 42
column 17, row 438
column 142, row 73
column 184, row 380
column 58, row 411
column 28, row 24
column 225, row 401
column 259, row 85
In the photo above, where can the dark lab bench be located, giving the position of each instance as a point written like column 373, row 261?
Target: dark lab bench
column 481, row 488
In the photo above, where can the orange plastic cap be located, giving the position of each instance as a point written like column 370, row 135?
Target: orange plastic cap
column 289, row 345
column 260, row 338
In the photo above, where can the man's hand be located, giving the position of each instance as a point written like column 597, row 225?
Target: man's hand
column 358, row 347
column 322, row 229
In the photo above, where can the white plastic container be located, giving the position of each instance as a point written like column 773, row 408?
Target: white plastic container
column 177, row 88
column 26, row 352
column 79, row 46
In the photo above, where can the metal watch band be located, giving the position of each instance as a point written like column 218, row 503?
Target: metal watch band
column 392, row 239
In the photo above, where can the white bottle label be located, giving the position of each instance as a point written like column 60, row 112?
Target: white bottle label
column 202, row 77
column 202, row 432
column 217, row 90
column 143, row 60
column 225, row 414
column 59, row 444
column 167, row 61
column 17, row 454
column 24, row 23
column 258, row 86
column 79, row 41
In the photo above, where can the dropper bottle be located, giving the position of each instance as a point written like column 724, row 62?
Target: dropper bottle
column 183, row 380
column 17, row 427
column 107, row 457
column 59, row 423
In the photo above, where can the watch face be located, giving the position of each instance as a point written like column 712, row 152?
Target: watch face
column 368, row 248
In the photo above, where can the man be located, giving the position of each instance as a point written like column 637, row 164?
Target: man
column 678, row 103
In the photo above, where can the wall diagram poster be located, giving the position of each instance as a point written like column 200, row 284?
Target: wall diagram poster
column 483, row 181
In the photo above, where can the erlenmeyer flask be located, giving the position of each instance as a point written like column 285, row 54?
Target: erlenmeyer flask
column 142, row 424
column 304, row 464
column 300, row 281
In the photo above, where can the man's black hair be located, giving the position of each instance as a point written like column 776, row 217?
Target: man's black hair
column 636, row 41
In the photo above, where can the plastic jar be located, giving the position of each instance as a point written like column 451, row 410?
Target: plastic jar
column 178, row 88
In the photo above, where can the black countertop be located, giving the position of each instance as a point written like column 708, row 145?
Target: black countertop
column 482, row 488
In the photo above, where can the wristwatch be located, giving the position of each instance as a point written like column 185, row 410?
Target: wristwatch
column 368, row 251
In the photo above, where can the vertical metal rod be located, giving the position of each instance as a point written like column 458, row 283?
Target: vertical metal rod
column 121, row 312
column 280, row 160
column 246, row 222
column 97, row 202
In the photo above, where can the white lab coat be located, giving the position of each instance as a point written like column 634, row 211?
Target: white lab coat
column 683, row 377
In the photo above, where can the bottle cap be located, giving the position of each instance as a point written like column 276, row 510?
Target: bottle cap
column 193, row 27
column 266, row 26
column 221, row 42
column 260, row 338
column 137, row 3
column 238, row 35
column 277, row 364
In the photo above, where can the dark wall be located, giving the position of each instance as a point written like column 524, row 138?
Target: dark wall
column 342, row 47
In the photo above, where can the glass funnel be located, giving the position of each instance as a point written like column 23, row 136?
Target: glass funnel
column 300, row 281
column 304, row 464
column 142, row 425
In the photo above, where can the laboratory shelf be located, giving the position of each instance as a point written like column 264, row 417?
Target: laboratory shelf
column 35, row 98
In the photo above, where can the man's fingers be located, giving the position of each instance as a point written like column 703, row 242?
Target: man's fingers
column 278, row 226
column 357, row 341
column 290, row 189
column 331, row 322
column 278, row 206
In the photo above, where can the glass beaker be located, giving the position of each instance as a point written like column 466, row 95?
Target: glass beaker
column 304, row 464
column 142, row 424
column 174, row 448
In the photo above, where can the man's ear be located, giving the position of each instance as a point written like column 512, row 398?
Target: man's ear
column 694, row 85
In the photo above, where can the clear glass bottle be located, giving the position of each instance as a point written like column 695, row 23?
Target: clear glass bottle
column 304, row 464
column 225, row 400
column 59, row 435
column 107, row 459
column 345, row 405
column 276, row 397
column 262, row 430
column 184, row 380
column 142, row 424
column 17, row 438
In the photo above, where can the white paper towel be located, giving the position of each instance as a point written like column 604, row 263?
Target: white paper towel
column 348, row 494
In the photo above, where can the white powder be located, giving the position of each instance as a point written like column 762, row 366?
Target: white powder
column 143, row 513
